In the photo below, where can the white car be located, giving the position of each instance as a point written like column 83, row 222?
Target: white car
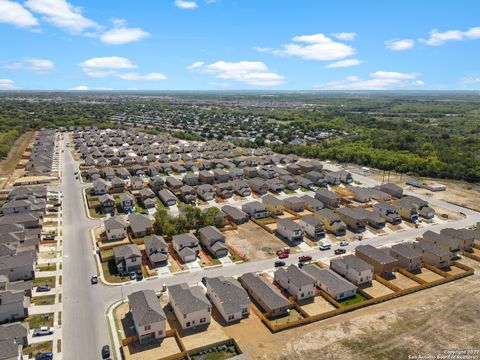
column 43, row 331
column 343, row 243
column 324, row 247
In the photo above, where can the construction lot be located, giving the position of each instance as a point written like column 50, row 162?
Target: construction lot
column 427, row 275
column 401, row 281
column 317, row 305
column 375, row 289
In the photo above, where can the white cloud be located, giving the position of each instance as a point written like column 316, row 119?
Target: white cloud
column 344, row 63
column 313, row 47
column 438, row 38
column 146, row 77
column 471, row 80
column 15, row 14
column 105, row 66
column 379, row 80
column 121, row 34
column 253, row 73
column 399, row 44
column 62, row 14
column 184, row 4
column 86, row 88
column 348, row 36
column 7, row 84
column 33, row 64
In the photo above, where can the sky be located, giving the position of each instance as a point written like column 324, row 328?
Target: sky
column 239, row 44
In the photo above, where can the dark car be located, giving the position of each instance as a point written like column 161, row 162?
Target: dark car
column 57, row 205
column 304, row 258
column 52, row 210
column 139, row 275
column 105, row 352
column 49, row 237
column 43, row 288
column 279, row 263
column 94, row 280
column 340, row 251
column 204, row 280
column 44, row 356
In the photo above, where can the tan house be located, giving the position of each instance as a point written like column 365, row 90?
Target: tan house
column 148, row 316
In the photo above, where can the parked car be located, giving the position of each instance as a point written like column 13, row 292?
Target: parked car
column 105, row 352
column 324, row 247
column 94, row 280
column 57, row 205
column 340, row 251
column 139, row 275
column 279, row 263
column 49, row 237
column 52, row 209
column 133, row 275
column 43, row 288
column 43, row 331
column 304, row 258
column 204, row 280
column 44, row 356
column 343, row 243
column 283, row 256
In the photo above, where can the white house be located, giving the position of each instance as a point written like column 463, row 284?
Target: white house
column 296, row 282
column 190, row 305
column 116, row 228
column 148, row 316
column 229, row 297
column 353, row 268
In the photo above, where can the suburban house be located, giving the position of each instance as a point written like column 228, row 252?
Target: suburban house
column 354, row 218
column 304, row 182
column 311, row 226
column 206, row 192
column 206, row 177
column 266, row 171
column 388, row 212
column 392, row 189
column 220, row 176
column 186, row 246
column 295, row 282
column 330, row 282
column 100, row 187
column 241, row 188
column 250, row 172
column 265, row 294
column 331, row 221
column 406, row 209
column 235, row 174
column 464, row 237
column 127, row 202
column 423, row 209
column 188, row 195
column 444, row 241
column 115, row 228
column 289, row 182
column 127, row 258
column 148, row 316
column 136, row 183
column 190, row 305
column 373, row 218
column 316, row 177
column 190, row 179
column 167, row 197
column 229, row 297
column 258, row 186
column 156, row 249
column 328, row 198
column 13, row 305
column 380, row 260
column 294, row 203
column 433, row 254
column 173, row 183
column 290, row 230
column 118, row 186
column 107, row 203
column 352, row 268
column 407, row 257
column 255, row 210
column 13, row 338
column 213, row 240
column 274, row 206
column 275, row 185
column 156, row 183
column 235, row 215
column 224, row 190
column 311, row 203
column 140, row 224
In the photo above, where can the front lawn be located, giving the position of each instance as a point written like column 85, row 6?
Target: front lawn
column 47, row 267
column 43, row 300
column 110, row 273
column 47, row 280
column 354, row 300
column 34, row 349
column 39, row 320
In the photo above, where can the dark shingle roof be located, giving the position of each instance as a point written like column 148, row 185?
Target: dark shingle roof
column 188, row 299
column 145, row 308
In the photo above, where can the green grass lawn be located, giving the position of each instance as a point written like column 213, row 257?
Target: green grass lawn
column 34, row 349
column 266, row 220
column 39, row 320
column 289, row 192
column 48, row 280
column 110, row 272
column 47, row 267
column 354, row 300
column 95, row 214
column 43, row 300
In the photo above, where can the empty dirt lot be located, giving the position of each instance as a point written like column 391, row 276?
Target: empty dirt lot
column 402, row 281
column 254, row 242
column 426, row 322
column 428, row 275
column 376, row 289
column 316, row 306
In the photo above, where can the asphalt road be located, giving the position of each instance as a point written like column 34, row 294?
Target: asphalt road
column 84, row 329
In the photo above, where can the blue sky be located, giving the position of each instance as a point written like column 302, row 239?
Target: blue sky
column 239, row 44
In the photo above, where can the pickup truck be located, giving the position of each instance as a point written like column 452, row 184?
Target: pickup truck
column 304, row 258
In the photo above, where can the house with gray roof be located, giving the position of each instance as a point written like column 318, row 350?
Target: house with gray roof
column 265, row 294
column 127, row 258
column 258, row 185
column 328, row 198
column 17, row 331
column 18, row 266
column 229, row 297
column 141, row 225
column 381, row 261
column 273, row 204
column 330, row 282
column 100, row 187
column 332, row 222
column 206, row 192
column 167, row 197
column 275, row 185
column 13, row 305
column 186, row 246
column 388, row 212
column 295, row 282
column 156, row 249
column 433, row 254
column 241, row 187
column 353, row 269
column 235, row 215
column 107, row 204
column 127, row 202
column 311, row 203
column 214, row 241
column 407, row 257
column 392, row 189
column 312, row 226
column 224, row 190
column 294, row 203
column 443, row 240
column 190, row 305
column 255, row 210
column 148, row 316
column 464, row 237
column 115, row 228
column 354, row 218
column 290, row 230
